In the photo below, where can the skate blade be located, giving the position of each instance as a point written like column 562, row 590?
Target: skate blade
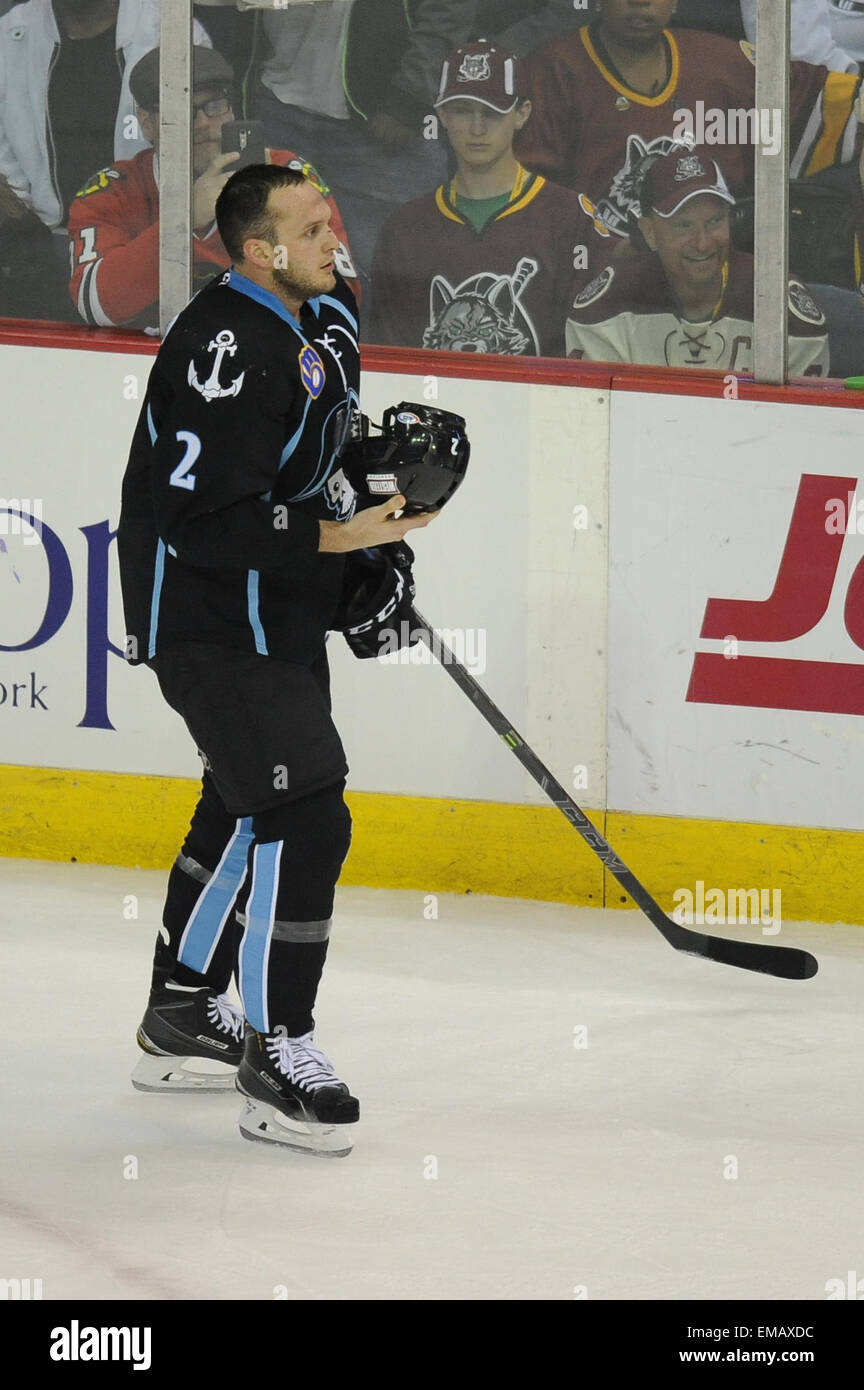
column 262, row 1124
column 182, row 1074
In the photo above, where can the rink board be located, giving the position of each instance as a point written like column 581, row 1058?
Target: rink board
column 705, row 497
column 517, row 590
column 523, row 574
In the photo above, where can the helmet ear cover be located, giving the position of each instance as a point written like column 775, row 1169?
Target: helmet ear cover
column 420, row 454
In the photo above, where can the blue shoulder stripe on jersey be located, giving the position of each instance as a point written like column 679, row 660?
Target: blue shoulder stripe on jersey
column 254, row 619
column 248, row 287
column 335, row 304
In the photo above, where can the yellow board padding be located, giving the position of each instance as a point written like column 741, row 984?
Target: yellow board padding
column 425, row 843
column 93, row 817
column 470, row 846
column 437, row 845
column 818, row 872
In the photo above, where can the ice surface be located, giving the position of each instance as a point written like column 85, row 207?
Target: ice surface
column 607, row 1166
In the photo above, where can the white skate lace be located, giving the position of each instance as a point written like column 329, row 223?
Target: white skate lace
column 226, row 1016
column 302, row 1063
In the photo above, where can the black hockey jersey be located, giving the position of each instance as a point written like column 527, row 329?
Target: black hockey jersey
column 232, row 466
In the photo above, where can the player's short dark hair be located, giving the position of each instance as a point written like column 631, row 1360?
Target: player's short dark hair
column 241, row 208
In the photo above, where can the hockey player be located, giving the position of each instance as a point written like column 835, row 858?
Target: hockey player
column 484, row 263
column 114, row 219
column 625, row 86
column 235, row 525
column 690, row 304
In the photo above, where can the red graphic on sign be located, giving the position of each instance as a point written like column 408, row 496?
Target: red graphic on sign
column 798, row 601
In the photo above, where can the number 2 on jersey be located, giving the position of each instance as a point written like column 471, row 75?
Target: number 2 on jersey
column 181, row 477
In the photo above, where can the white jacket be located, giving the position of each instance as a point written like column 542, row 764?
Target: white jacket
column 812, row 39
column 29, row 43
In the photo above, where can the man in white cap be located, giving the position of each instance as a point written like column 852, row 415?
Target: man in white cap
column 687, row 302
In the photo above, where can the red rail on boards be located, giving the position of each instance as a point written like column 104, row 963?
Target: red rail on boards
column 538, row 371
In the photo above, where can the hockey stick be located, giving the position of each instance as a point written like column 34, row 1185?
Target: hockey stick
column 785, row 962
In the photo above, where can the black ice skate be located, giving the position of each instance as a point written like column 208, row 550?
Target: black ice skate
column 293, row 1096
column 192, row 1040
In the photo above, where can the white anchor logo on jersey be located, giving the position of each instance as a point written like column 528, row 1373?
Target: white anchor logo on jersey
column 211, row 390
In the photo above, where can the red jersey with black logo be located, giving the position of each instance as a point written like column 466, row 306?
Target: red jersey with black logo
column 114, row 243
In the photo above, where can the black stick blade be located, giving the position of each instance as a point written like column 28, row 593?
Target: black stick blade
column 783, row 962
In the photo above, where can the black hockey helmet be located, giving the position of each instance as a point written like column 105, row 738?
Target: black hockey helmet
column 421, row 453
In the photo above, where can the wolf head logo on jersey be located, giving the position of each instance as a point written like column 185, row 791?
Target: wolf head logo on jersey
column 622, row 200
column 483, row 314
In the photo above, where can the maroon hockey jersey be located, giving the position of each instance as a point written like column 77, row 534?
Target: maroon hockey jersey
column 589, row 131
column 437, row 283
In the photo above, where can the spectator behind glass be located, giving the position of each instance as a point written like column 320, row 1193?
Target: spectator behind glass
column 31, row 271
column 65, row 109
column 114, row 221
column 812, row 39
column 65, row 104
column 811, row 36
column 519, row 26
column 612, row 93
column 847, row 27
column 485, row 263
column 351, row 82
column 689, row 303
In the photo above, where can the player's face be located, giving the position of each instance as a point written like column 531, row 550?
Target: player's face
column 305, row 245
column 693, row 244
column 479, row 135
column 635, row 23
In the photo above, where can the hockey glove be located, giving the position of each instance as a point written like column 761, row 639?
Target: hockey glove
column 374, row 612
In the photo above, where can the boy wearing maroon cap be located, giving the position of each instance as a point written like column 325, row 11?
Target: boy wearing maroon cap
column 690, row 302
column 485, row 263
